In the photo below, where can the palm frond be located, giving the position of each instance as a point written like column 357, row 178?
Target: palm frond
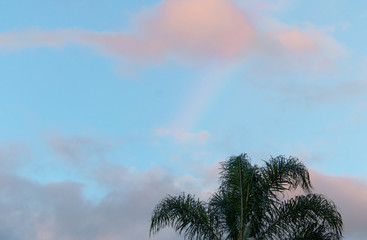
column 187, row 215
column 310, row 216
column 226, row 208
column 282, row 174
column 236, row 180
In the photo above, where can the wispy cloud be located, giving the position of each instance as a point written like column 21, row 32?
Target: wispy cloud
column 200, row 137
column 295, row 40
column 78, row 149
column 35, row 37
column 315, row 92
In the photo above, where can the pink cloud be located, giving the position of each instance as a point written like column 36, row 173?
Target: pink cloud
column 295, row 40
column 191, row 31
column 350, row 195
column 212, row 27
column 202, row 29
column 200, row 137
column 213, row 30
column 309, row 41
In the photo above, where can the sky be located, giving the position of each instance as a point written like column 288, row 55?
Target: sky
column 108, row 106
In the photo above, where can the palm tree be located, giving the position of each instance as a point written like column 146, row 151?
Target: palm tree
column 251, row 203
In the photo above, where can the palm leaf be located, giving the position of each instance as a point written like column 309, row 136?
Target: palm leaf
column 310, row 216
column 187, row 215
column 285, row 174
column 234, row 193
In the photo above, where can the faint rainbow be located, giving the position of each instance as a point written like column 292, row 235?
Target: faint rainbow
column 206, row 88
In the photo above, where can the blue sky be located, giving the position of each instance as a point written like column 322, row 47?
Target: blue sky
column 105, row 103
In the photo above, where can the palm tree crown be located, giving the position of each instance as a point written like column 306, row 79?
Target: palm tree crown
column 250, row 203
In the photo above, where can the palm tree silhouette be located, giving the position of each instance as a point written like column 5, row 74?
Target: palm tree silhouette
column 251, row 203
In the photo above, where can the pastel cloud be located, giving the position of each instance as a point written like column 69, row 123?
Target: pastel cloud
column 188, row 30
column 310, row 40
column 350, row 195
column 200, row 137
column 16, row 40
column 196, row 29
column 209, row 30
column 295, row 40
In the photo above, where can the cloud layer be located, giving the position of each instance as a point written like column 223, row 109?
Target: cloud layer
column 192, row 31
column 59, row 210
